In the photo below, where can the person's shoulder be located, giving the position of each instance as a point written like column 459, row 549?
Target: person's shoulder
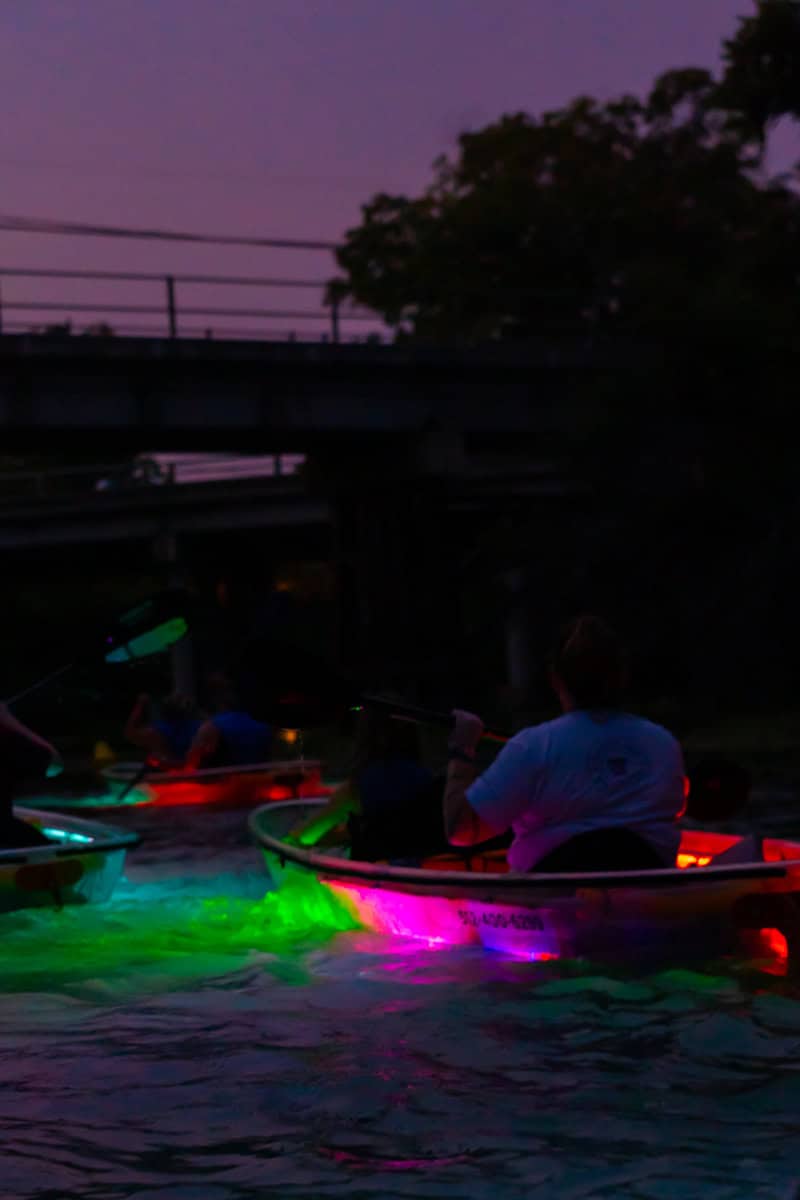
column 651, row 729
column 532, row 735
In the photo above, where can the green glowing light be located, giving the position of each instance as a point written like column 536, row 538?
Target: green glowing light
column 152, row 642
column 152, row 938
column 65, row 835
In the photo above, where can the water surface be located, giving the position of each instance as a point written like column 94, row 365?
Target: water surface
column 198, row 1040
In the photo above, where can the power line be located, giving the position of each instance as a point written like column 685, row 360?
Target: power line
column 12, row 224
column 151, row 277
column 100, row 307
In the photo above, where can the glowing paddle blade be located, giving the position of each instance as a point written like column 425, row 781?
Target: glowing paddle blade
column 153, row 641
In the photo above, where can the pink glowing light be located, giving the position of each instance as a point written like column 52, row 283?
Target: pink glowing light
column 447, row 921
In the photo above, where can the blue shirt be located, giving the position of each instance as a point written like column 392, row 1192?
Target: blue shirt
column 243, row 739
column 178, row 735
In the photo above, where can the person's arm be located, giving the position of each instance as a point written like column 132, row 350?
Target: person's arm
column 41, row 755
column 139, row 733
column 205, row 743
column 478, row 807
column 343, row 802
column 462, row 824
column 136, row 717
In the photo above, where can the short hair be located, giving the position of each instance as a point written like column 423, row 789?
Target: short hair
column 592, row 662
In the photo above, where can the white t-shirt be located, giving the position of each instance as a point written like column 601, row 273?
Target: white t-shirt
column 580, row 772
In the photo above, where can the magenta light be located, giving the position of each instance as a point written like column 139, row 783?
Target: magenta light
column 448, row 921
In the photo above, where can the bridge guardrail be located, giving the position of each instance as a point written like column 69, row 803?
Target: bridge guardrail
column 104, row 318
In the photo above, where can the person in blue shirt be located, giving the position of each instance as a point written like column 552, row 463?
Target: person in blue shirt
column 165, row 738
column 391, row 802
column 596, row 789
column 230, row 737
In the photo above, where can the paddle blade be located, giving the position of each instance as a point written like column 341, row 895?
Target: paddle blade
column 149, row 628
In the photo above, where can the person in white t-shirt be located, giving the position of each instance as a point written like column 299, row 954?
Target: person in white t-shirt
column 597, row 789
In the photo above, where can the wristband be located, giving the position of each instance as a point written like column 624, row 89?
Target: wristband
column 460, row 756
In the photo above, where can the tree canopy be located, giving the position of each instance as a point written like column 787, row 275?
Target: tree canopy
column 762, row 66
column 642, row 216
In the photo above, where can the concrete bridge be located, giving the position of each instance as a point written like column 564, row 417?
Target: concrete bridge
column 285, row 396
column 412, row 444
column 86, row 516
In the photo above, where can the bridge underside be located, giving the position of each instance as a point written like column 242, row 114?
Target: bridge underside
column 282, row 396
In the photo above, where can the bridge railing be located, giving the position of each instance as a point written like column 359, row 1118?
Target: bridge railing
column 91, row 479
column 175, row 314
column 48, row 483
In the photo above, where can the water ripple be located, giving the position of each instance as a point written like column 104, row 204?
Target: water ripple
column 191, row 1042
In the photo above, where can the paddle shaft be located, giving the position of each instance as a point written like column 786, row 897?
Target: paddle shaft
column 34, row 687
column 427, row 716
column 133, row 781
column 717, row 790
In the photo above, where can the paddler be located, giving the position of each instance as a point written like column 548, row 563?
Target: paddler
column 230, row 737
column 596, row 789
column 165, row 738
column 390, row 800
column 24, row 755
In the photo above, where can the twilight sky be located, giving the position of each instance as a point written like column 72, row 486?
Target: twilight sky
column 280, row 117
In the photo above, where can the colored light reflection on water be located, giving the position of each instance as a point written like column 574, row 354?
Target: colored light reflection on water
column 147, row 928
column 198, row 1039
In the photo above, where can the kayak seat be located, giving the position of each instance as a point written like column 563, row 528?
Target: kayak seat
column 489, row 862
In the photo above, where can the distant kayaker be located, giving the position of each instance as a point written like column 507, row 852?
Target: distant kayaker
column 167, row 737
column 230, row 736
column 24, row 755
column 390, row 800
column 595, row 789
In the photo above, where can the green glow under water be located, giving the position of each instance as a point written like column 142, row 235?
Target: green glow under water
column 143, row 935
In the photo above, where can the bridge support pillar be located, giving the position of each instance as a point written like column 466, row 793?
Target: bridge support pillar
column 518, row 649
column 167, row 551
column 399, row 611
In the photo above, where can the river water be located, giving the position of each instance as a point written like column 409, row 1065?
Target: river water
column 197, row 1039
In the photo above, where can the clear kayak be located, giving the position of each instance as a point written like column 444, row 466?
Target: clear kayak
column 725, row 892
column 253, row 783
column 81, row 863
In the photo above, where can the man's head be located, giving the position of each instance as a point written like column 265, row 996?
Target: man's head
column 588, row 665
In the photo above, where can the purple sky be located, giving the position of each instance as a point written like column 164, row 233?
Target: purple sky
column 280, row 117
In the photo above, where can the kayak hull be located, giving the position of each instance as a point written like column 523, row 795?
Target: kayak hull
column 224, row 786
column 679, row 911
column 81, row 864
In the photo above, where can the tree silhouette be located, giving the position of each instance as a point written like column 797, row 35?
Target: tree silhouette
column 761, row 82
column 634, row 217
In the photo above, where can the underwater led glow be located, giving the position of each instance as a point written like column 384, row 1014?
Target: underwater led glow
column 693, row 860
column 431, row 919
column 149, row 936
column 66, row 835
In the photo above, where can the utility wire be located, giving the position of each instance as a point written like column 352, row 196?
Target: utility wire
column 152, row 277
column 12, row 224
